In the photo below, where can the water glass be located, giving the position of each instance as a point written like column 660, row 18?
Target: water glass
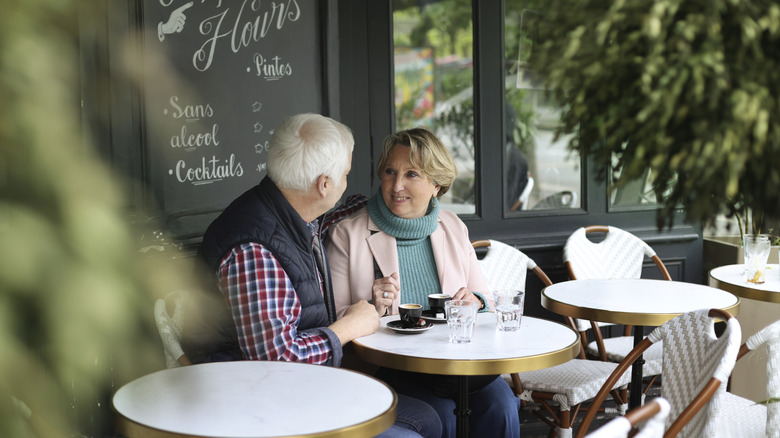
column 461, row 316
column 756, row 248
column 509, row 309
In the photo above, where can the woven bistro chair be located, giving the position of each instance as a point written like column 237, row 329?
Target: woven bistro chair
column 696, row 364
column 619, row 255
column 646, row 421
column 559, row 390
column 169, row 326
column 746, row 418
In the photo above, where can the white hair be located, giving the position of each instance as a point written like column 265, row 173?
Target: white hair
column 306, row 146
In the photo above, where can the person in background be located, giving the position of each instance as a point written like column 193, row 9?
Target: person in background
column 517, row 173
column 402, row 247
column 268, row 293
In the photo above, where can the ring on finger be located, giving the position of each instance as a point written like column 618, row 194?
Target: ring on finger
column 384, row 295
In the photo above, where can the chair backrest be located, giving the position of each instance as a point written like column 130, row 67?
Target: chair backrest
column 649, row 420
column 619, row 255
column 505, row 267
column 693, row 357
column 169, row 325
column 525, row 196
column 770, row 336
column 562, row 199
column 696, row 363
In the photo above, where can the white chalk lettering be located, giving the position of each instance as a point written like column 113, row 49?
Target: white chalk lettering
column 203, row 57
column 209, row 171
column 254, row 30
column 192, row 141
column 272, row 70
column 249, row 25
column 190, row 112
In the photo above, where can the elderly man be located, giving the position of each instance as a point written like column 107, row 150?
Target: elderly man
column 268, row 289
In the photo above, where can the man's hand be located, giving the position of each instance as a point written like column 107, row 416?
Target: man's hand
column 359, row 320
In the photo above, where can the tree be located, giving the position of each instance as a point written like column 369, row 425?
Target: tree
column 687, row 88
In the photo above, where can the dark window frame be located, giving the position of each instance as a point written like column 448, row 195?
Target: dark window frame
column 541, row 234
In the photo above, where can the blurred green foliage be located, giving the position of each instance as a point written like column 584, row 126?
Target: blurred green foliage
column 688, row 88
column 76, row 296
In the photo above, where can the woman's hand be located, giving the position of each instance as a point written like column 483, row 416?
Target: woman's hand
column 384, row 292
column 465, row 294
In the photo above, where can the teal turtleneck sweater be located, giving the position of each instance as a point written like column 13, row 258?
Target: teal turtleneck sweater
column 418, row 273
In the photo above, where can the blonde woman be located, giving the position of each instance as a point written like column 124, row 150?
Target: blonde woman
column 402, row 247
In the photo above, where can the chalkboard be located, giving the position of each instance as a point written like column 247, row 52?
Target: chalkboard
column 218, row 76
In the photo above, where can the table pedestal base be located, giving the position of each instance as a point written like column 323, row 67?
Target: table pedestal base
column 635, row 389
column 462, row 411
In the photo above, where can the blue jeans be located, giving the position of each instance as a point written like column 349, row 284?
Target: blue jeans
column 494, row 408
column 415, row 419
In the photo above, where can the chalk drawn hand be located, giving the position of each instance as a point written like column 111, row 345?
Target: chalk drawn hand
column 175, row 22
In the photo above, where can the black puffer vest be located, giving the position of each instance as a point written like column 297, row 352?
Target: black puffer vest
column 261, row 215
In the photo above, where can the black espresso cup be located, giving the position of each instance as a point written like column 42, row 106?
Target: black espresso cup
column 410, row 315
column 436, row 303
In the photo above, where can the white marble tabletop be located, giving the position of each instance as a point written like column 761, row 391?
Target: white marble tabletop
column 538, row 344
column 634, row 301
column 731, row 278
column 255, row 399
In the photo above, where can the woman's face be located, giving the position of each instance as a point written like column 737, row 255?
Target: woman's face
column 406, row 190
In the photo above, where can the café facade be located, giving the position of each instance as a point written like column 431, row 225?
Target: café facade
column 181, row 97
column 194, row 89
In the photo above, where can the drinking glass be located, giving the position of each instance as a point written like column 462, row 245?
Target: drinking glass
column 509, row 309
column 756, row 248
column 461, row 315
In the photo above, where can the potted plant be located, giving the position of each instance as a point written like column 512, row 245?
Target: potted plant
column 686, row 88
column 76, row 298
column 723, row 245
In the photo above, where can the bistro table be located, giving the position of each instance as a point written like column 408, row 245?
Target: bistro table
column 538, row 344
column 731, row 278
column 254, row 399
column 760, row 307
column 637, row 302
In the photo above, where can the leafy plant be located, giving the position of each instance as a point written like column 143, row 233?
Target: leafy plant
column 75, row 295
column 688, row 88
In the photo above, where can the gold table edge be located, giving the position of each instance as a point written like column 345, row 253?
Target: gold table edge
column 626, row 318
column 372, row 427
column 468, row 367
column 746, row 291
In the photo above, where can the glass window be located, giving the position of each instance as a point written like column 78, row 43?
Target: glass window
column 540, row 173
column 635, row 193
column 434, row 82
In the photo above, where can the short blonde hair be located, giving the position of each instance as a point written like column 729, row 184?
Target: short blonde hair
column 426, row 153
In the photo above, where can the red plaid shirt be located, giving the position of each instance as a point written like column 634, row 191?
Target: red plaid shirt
column 265, row 306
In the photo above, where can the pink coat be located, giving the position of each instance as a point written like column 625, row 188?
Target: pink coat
column 352, row 249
